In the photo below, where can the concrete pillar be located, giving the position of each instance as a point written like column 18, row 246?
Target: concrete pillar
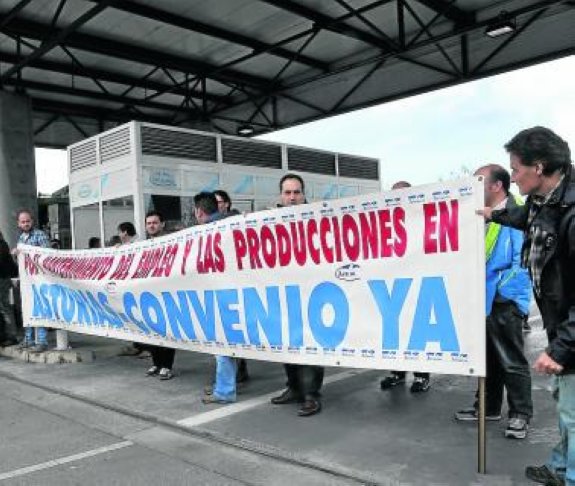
column 17, row 168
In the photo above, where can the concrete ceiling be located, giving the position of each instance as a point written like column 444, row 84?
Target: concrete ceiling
column 89, row 65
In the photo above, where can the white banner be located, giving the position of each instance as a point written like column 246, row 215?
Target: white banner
column 393, row 280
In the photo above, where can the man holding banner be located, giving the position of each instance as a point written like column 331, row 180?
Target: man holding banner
column 162, row 357
column 303, row 382
column 224, row 387
column 29, row 235
column 508, row 292
column 542, row 169
column 420, row 380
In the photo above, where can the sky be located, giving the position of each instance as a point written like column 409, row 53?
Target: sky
column 430, row 137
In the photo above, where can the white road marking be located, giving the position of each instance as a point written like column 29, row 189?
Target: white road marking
column 238, row 407
column 64, row 460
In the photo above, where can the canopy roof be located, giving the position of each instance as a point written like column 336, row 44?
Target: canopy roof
column 89, row 65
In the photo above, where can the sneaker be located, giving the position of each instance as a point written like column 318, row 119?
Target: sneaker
column 420, row 384
column 211, row 399
column 543, row 475
column 516, row 428
column 471, row 415
column 165, row 374
column 153, row 371
column 391, row 381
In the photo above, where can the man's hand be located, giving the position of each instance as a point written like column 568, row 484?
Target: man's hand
column 15, row 252
column 545, row 364
column 485, row 212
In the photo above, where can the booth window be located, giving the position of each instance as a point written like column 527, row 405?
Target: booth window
column 170, row 207
column 116, row 211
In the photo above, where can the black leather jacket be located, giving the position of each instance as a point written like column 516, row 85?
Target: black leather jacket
column 8, row 267
column 557, row 297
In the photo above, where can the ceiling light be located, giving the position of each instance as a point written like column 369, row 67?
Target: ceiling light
column 245, row 130
column 503, row 25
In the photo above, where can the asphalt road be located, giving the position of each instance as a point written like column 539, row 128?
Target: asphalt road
column 105, row 423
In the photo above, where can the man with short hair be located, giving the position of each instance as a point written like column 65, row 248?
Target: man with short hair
column 507, row 296
column 303, row 381
column 225, row 203
column 29, row 235
column 224, row 386
column 541, row 167
column 127, row 233
column 225, row 207
column 162, row 358
column 420, row 379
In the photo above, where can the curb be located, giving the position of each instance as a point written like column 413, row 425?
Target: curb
column 50, row 356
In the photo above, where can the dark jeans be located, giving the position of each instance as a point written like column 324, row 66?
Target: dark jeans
column 507, row 366
column 305, row 380
column 162, row 357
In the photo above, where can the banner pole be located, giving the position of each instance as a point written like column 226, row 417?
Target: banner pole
column 482, row 443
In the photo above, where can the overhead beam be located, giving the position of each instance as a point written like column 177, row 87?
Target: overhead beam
column 135, row 53
column 110, row 76
column 329, row 23
column 13, row 12
column 95, row 95
column 56, row 37
column 450, row 11
column 478, row 25
column 87, row 111
column 210, row 30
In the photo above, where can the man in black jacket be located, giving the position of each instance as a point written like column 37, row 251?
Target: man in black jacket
column 8, row 270
column 542, row 169
column 303, row 381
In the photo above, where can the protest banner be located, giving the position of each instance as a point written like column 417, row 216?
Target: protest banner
column 394, row 280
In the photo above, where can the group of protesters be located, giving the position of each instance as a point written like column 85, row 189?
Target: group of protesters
column 529, row 252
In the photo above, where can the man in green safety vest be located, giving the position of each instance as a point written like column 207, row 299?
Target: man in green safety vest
column 507, row 297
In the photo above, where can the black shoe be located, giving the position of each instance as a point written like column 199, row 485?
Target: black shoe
column 392, row 381
column 288, row 396
column 543, row 475
column 420, row 384
column 472, row 415
column 310, row 407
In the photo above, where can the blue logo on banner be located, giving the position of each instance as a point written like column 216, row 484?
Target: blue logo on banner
column 392, row 201
column 416, row 198
column 369, row 205
column 440, row 195
column 348, row 209
column 349, row 272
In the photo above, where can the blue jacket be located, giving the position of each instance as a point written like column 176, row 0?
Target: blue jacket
column 503, row 272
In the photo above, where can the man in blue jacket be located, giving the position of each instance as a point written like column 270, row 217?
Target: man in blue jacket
column 508, row 292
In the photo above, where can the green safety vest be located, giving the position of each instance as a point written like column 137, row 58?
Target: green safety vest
column 494, row 229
